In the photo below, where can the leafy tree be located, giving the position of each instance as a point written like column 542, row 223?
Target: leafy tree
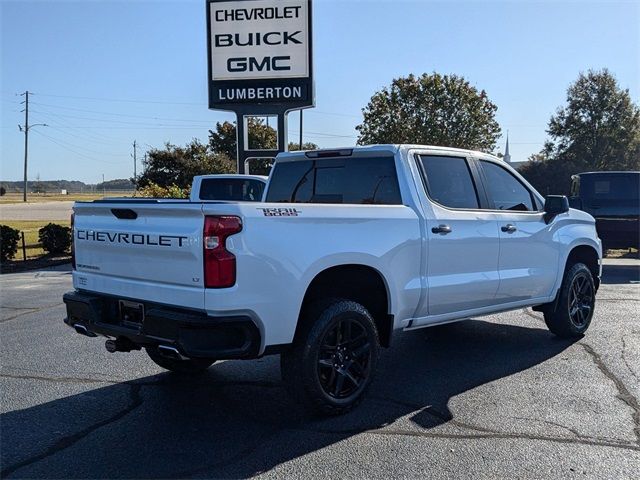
column 432, row 109
column 3, row 191
column 117, row 184
column 176, row 166
column 547, row 176
column 295, row 146
column 261, row 136
column 599, row 127
column 170, row 191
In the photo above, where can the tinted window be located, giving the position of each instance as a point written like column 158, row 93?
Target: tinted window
column 505, row 190
column 237, row 189
column 449, row 181
column 331, row 180
column 613, row 186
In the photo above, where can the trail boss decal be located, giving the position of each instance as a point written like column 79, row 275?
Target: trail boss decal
column 259, row 52
column 280, row 212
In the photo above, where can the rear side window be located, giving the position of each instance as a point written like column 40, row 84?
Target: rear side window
column 505, row 190
column 336, row 180
column 235, row 189
column 449, row 182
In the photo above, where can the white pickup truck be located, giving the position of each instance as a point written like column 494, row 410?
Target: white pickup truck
column 347, row 246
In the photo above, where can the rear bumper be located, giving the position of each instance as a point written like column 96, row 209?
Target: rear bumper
column 192, row 332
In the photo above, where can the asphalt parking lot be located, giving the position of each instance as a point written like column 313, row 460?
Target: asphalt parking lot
column 490, row 397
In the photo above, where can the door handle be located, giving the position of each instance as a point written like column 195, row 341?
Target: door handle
column 444, row 229
column 509, row 228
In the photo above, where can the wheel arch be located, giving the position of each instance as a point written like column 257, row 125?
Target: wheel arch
column 587, row 254
column 361, row 283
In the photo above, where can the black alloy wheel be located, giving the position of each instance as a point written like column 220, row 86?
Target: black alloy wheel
column 333, row 357
column 344, row 359
column 570, row 315
column 581, row 299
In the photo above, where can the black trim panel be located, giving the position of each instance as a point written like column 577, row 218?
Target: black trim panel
column 193, row 332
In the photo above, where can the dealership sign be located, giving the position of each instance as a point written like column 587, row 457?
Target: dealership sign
column 259, row 53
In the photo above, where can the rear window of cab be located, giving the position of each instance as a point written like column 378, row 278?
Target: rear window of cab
column 353, row 180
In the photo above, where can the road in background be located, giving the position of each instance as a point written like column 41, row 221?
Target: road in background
column 496, row 396
column 36, row 211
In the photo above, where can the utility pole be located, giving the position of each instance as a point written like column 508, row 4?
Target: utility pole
column 26, row 129
column 135, row 172
column 26, row 142
column 103, row 190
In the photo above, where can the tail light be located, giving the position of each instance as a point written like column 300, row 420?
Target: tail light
column 73, row 246
column 219, row 263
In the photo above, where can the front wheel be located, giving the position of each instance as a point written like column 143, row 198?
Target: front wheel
column 188, row 366
column 574, row 310
column 331, row 363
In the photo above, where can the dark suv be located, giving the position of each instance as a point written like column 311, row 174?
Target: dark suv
column 613, row 199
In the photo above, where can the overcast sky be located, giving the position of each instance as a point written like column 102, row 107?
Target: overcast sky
column 105, row 73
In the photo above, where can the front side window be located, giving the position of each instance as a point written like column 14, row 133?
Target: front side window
column 449, row 182
column 505, row 190
column 336, row 180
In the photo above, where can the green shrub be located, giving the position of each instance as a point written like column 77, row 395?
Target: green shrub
column 156, row 191
column 8, row 242
column 55, row 238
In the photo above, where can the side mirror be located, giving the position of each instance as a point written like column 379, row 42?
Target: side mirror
column 555, row 205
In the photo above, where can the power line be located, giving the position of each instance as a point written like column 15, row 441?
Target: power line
column 88, row 149
column 123, row 122
column 76, row 152
column 103, row 99
column 99, row 112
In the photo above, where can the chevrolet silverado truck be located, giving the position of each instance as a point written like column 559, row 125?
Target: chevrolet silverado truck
column 346, row 247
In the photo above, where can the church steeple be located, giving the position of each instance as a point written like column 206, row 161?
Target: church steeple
column 507, row 157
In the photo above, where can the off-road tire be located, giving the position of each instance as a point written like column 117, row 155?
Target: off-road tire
column 574, row 308
column 305, row 368
column 189, row 367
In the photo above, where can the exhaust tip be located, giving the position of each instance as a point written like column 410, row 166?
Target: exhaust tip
column 82, row 330
column 171, row 352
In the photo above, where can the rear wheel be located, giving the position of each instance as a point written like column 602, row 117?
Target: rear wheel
column 574, row 310
column 331, row 364
column 188, row 366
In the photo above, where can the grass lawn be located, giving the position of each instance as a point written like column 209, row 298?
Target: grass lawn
column 54, row 197
column 30, row 229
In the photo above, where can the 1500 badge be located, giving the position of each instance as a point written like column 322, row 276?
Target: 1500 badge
column 280, row 212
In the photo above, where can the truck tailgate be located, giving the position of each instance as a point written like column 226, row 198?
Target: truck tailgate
column 140, row 244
